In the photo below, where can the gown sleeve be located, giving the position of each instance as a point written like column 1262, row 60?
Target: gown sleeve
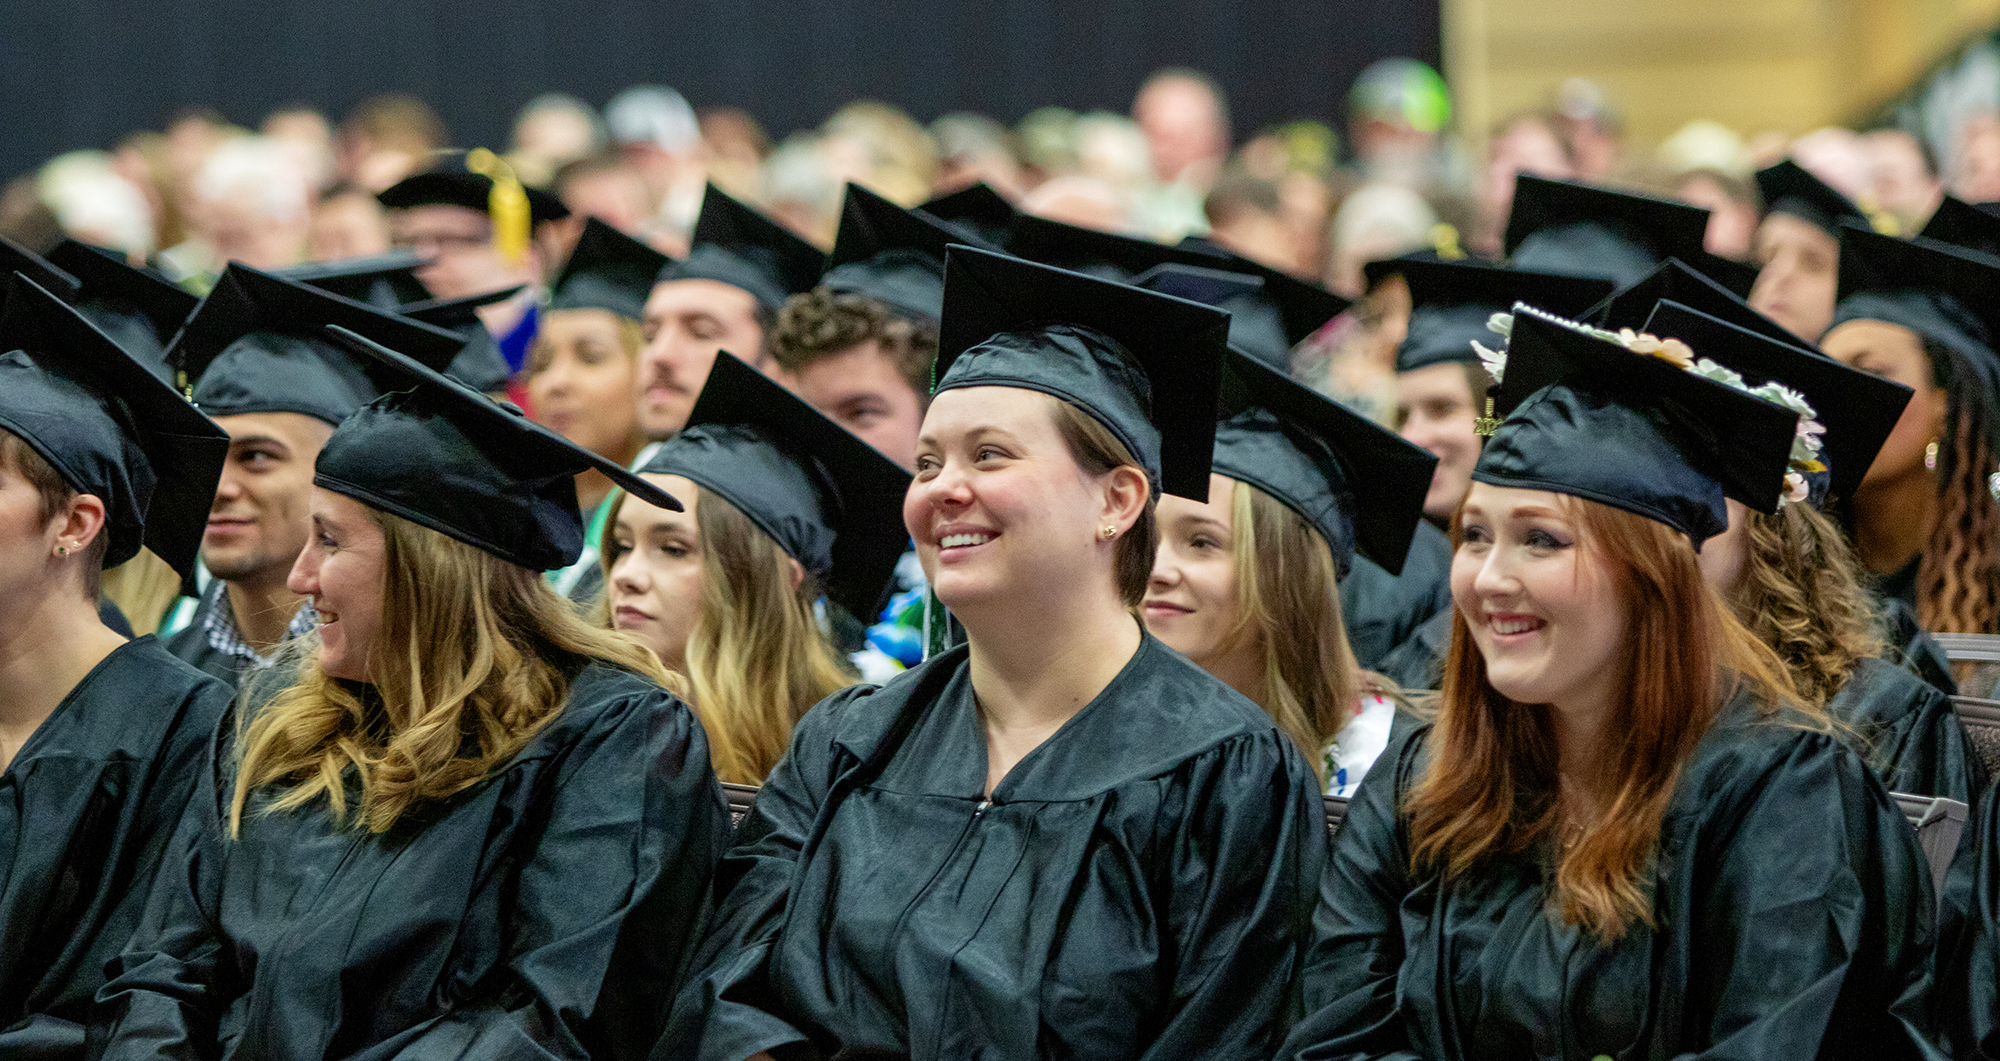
column 1914, row 742
column 1348, row 987
column 1968, row 989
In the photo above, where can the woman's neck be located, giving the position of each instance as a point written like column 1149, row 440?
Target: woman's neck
column 1892, row 520
column 1582, row 732
column 47, row 646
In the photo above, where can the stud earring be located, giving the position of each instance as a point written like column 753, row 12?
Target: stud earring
column 1930, row 456
column 1106, row 533
column 62, row 550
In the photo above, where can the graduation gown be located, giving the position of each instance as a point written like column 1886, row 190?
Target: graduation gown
column 1794, row 916
column 86, row 811
column 1382, row 610
column 1968, row 961
column 191, row 644
column 1139, row 886
column 539, row 914
column 1911, row 646
column 1418, row 663
column 1911, row 737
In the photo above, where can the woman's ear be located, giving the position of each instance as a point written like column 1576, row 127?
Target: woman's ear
column 1126, row 492
column 796, row 572
column 80, row 524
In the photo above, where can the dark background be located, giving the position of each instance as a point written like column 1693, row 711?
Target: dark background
column 83, row 73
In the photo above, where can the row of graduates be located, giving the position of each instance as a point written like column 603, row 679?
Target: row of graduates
column 494, row 840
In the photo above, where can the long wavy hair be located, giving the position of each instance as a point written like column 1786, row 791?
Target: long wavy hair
column 1491, row 788
column 1958, row 577
column 1802, row 594
column 757, row 657
column 474, row 656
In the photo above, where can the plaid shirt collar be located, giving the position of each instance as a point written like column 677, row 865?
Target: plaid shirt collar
column 223, row 636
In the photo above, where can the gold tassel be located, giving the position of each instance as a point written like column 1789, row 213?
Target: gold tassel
column 1486, row 425
column 1444, row 240
column 507, row 204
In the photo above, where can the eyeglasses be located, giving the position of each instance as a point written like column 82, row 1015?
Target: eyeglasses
column 431, row 244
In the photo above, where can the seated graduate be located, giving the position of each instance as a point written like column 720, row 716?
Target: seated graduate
column 781, row 507
column 1061, row 839
column 1925, row 520
column 1624, row 835
column 100, row 736
column 1440, row 392
column 1246, row 583
column 473, row 825
column 1798, row 249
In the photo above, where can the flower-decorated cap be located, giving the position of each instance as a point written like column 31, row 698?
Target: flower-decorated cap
column 891, row 254
column 480, row 364
column 608, row 270
column 976, row 209
column 1788, row 189
column 1941, row 292
column 830, row 500
column 1565, row 227
column 138, row 308
column 1636, row 423
column 1858, row 409
column 442, row 455
column 1961, row 224
column 738, row 246
column 1145, row 365
column 385, row 281
column 1450, row 303
column 1360, row 485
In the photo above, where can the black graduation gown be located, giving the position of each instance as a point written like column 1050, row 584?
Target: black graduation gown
column 1912, row 647
column 1140, row 885
column 191, row 644
column 1418, row 663
column 539, row 914
column 1968, row 1002
column 1913, row 740
column 86, row 811
column 1794, row 910
column 1382, row 610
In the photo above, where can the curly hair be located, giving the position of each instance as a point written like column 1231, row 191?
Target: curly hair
column 1802, row 594
column 1958, row 578
column 821, row 323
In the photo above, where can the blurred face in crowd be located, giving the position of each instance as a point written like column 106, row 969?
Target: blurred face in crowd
column 1894, row 353
column 342, row 570
column 864, row 391
column 1904, row 184
column 348, row 225
column 655, row 574
column 262, row 514
column 1192, row 601
column 1183, row 123
column 1434, row 409
column 1732, row 222
column 1797, row 276
column 1529, row 145
column 458, row 242
column 687, row 322
column 583, row 381
column 241, row 229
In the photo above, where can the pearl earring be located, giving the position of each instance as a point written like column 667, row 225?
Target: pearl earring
column 1930, row 456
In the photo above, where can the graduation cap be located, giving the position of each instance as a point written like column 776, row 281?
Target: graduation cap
column 1093, row 253
column 256, row 345
column 977, row 209
column 15, row 258
column 1788, row 189
column 1858, row 409
column 608, row 270
column 1675, row 281
column 108, row 426
column 1450, row 303
column 1962, row 224
column 736, row 245
column 891, row 254
column 442, row 455
column 1360, row 485
column 385, row 281
column 452, row 182
column 140, row 309
column 1300, row 307
column 1941, row 292
column 1145, row 365
column 1589, row 418
column 1563, row 227
column 827, row 498
column 480, row 364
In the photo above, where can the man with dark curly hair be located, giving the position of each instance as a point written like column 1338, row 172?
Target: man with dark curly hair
column 863, row 365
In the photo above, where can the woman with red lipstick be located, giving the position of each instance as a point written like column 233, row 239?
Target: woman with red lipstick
column 1061, row 839
column 1624, row 835
column 1247, row 584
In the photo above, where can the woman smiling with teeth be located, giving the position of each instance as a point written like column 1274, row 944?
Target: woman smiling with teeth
column 1578, row 857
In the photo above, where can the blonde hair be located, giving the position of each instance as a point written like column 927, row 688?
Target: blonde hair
column 475, row 655
column 757, row 657
column 1801, row 594
column 631, row 339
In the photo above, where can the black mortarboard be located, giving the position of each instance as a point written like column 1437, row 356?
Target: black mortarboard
column 608, row 270
column 1093, row 253
column 15, row 258
column 1788, row 189
column 1147, row 366
column 891, row 254
column 1941, row 292
column 1292, row 309
column 1674, row 280
column 1858, row 409
column 736, row 245
column 440, row 454
column 827, row 498
column 385, row 281
column 256, row 345
column 1256, row 305
column 1588, row 418
column 139, row 308
column 1562, row 227
column 977, row 209
column 1962, row 224
column 1357, row 483
column 108, row 426
column 1450, row 303
column 480, row 364
column 448, row 182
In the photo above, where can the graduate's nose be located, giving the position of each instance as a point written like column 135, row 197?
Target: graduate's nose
column 303, row 579
column 1495, row 577
column 1166, row 573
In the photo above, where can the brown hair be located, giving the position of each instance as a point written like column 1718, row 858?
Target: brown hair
column 1801, row 593
column 475, row 655
column 819, row 323
column 1491, row 788
column 1098, row 452
column 55, row 495
column 1958, row 575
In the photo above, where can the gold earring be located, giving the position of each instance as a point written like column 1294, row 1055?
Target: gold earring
column 1106, row 533
column 1930, row 456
